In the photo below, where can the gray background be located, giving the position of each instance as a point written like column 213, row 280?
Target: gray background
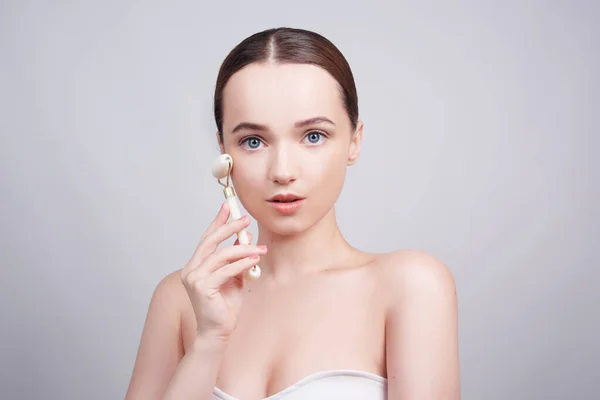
column 481, row 130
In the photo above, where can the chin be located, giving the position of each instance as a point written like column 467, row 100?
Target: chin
column 284, row 225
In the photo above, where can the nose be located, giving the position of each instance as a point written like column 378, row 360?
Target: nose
column 282, row 167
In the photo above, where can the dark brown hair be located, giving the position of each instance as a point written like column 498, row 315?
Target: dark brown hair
column 288, row 45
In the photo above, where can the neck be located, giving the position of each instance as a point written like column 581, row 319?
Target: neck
column 313, row 250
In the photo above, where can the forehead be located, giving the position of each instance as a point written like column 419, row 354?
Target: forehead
column 280, row 94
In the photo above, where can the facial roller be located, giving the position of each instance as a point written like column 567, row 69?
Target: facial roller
column 221, row 168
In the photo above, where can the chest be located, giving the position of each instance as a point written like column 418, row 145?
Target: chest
column 283, row 336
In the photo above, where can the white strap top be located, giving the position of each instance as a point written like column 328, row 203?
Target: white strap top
column 336, row 384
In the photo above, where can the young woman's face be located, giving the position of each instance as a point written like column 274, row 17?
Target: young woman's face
column 288, row 133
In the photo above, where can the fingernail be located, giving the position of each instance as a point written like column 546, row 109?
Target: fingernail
column 255, row 257
column 262, row 247
column 245, row 218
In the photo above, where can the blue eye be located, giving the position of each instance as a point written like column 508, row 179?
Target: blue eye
column 314, row 137
column 251, row 142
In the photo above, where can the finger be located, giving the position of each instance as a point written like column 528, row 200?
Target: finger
column 223, row 257
column 228, row 255
column 225, row 231
column 213, row 240
column 220, row 219
column 222, row 275
column 237, row 241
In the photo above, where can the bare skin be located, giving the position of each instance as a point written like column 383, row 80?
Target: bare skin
column 321, row 304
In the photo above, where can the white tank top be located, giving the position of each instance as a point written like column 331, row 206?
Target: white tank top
column 327, row 385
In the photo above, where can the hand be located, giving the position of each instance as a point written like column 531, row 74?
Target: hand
column 213, row 278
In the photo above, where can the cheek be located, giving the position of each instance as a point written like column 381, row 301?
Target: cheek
column 244, row 179
column 247, row 180
column 329, row 176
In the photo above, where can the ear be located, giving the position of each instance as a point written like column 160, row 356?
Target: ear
column 355, row 142
column 221, row 147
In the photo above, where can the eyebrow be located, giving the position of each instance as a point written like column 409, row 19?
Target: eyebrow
column 298, row 124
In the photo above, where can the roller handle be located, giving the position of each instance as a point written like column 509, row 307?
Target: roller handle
column 236, row 213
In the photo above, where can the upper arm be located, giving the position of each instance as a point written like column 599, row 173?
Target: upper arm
column 160, row 348
column 421, row 329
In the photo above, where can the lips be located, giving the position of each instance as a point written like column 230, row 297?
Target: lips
column 286, row 203
column 285, row 198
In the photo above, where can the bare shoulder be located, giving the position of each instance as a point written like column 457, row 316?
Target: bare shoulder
column 160, row 347
column 172, row 280
column 407, row 272
column 170, row 290
column 421, row 326
column 169, row 299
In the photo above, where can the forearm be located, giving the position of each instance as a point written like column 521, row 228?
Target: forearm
column 196, row 374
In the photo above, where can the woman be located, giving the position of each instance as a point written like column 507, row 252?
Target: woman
column 325, row 320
